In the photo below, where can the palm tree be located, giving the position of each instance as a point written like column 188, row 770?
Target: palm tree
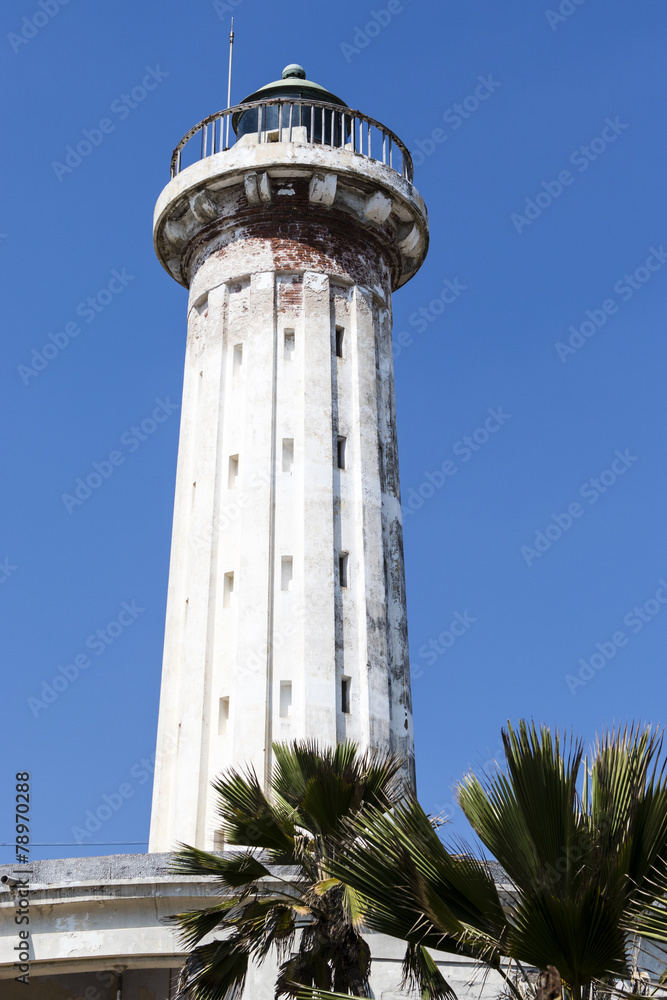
column 312, row 925
column 582, row 845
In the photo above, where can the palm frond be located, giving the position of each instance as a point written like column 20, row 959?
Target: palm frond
column 233, row 871
column 215, row 971
column 315, row 796
column 528, row 818
column 355, row 907
column 324, row 786
column 414, row 887
column 579, row 935
column 194, row 925
column 421, row 972
column 249, row 819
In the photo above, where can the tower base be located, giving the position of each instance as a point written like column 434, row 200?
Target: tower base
column 93, row 917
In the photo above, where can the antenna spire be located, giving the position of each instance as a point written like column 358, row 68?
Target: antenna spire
column 229, row 81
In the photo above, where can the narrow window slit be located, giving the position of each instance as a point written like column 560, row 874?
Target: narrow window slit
column 286, row 572
column 285, row 699
column 345, row 695
column 340, row 334
column 289, row 345
column 233, row 471
column 288, row 454
column 238, row 358
column 228, row 590
column 223, row 716
column 340, row 452
column 342, row 568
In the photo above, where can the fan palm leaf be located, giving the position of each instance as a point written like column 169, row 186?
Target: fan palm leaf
column 583, row 847
column 313, row 927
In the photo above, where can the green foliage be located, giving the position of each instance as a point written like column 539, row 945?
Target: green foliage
column 586, row 869
column 311, row 923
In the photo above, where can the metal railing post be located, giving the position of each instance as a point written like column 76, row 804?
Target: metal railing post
column 330, row 118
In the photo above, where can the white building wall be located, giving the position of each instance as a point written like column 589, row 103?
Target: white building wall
column 264, row 388
column 93, row 917
column 280, row 244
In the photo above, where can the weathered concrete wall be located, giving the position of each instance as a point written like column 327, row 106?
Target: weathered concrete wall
column 283, row 260
column 89, row 916
column 213, row 201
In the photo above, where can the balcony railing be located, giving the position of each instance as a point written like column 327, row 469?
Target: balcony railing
column 277, row 120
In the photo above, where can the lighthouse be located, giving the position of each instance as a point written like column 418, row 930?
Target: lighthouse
column 291, row 219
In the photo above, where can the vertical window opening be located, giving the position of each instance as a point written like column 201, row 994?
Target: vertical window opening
column 340, row 334
column 285, row 699
column 228, row 592
column 342, row 568
column 289, row 344
column 340, row 456
column 288, row 454
column 345, row 695
column 286, row 572
column 238, row 358
column 202, row 305
column 233, row 471
column 223, row 716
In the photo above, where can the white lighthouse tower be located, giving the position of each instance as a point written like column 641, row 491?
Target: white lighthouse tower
column 286, row 613
column 291, row 219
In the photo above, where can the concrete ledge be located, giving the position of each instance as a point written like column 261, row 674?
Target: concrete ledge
column 89, row 915
column 226, row 184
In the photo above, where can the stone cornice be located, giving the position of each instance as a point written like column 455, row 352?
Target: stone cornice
column 251, row 188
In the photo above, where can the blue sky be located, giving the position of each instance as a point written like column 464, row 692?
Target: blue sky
column 538, row 133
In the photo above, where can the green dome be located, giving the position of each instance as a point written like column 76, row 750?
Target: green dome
column 292, row 84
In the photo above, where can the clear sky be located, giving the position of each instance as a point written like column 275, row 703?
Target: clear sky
column 530, row 367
